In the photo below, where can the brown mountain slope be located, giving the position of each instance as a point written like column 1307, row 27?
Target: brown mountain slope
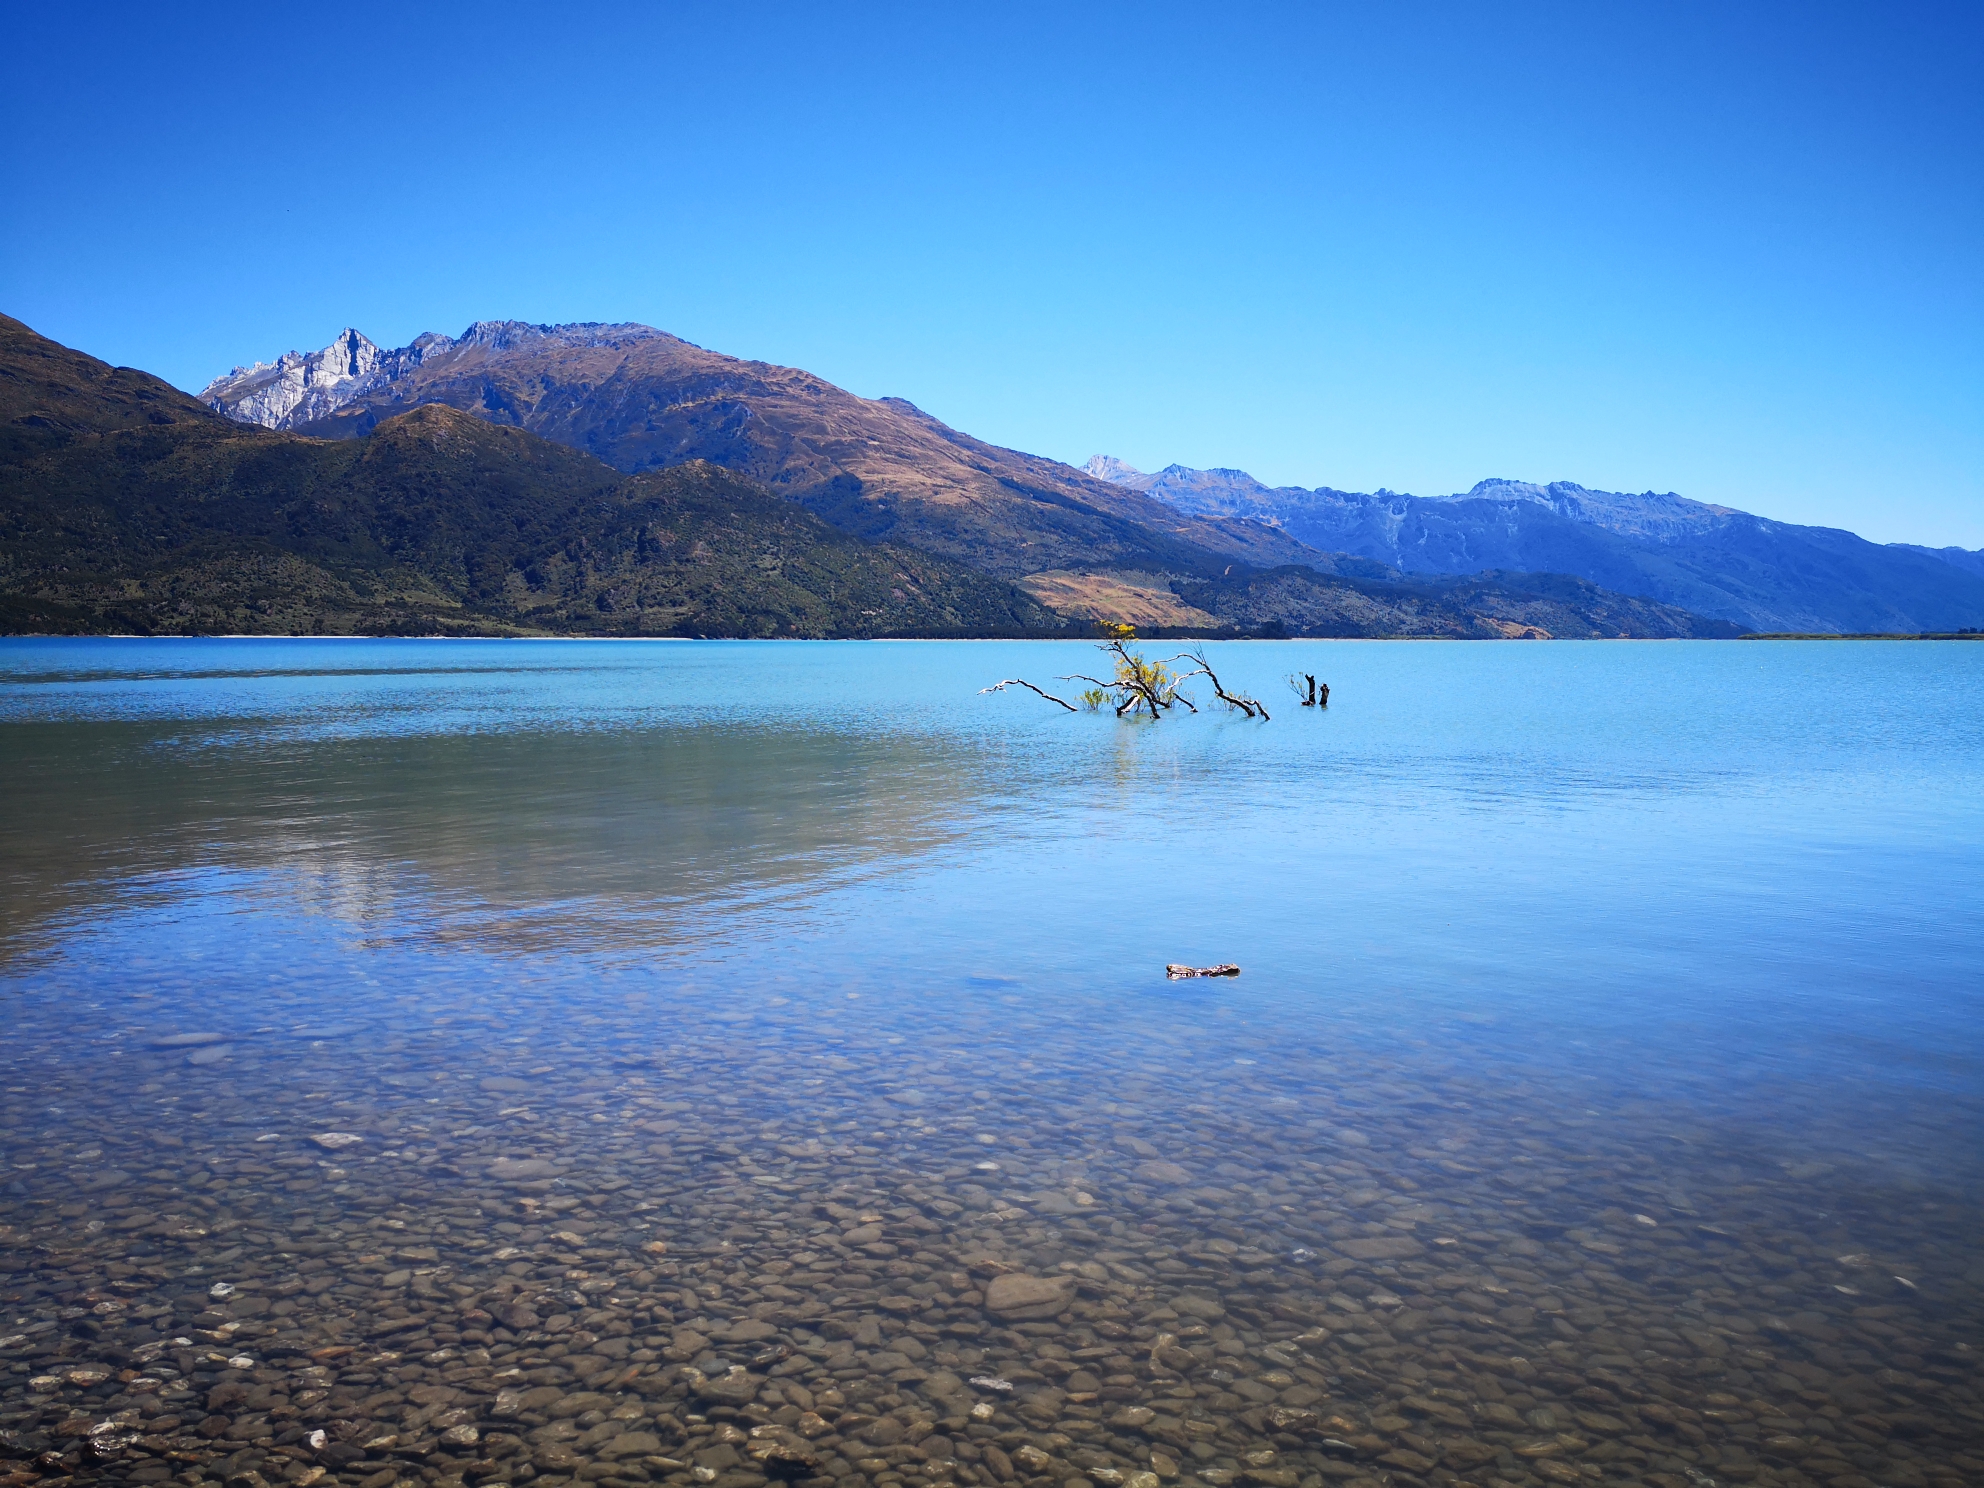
column 50, row 394
column 882, row 469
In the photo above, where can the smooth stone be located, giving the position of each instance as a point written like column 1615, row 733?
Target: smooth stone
column 189, row 1040
column 631, row 1444
column 1203, row 1308
column 577, row 1403
column 735, row 1388
column 523, row 1167
column 1016, row 1297
column 1162, row 1172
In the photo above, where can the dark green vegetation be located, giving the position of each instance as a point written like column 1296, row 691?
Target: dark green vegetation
column 130, row 507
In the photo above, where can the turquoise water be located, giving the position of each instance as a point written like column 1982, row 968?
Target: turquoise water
column 1691, row 928
column 1650, row 842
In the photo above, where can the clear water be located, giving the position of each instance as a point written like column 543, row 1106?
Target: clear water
column 1607, row 1041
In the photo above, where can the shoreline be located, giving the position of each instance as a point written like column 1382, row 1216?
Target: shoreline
column 1931, row 635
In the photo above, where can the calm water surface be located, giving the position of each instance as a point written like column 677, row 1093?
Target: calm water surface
column 701, row 1063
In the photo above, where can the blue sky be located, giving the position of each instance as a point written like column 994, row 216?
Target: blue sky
column 1732, row 251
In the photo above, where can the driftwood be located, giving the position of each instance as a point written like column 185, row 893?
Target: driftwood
column 1179, row 973
column 1022, row 682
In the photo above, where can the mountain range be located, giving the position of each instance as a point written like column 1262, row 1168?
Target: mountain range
column 640, row 399
column 595, row 478
column 127, row 506
column 881, row 469
column 1713, row 560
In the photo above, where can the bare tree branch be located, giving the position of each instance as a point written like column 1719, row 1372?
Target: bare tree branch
column 1249, row 706
column 1022, row 682
column 1139, row 684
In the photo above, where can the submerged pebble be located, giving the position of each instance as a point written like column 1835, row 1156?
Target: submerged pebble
column 741, row 1245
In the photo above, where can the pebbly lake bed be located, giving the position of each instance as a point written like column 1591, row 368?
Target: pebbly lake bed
column 733, row 1063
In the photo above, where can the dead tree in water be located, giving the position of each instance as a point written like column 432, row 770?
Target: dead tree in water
column 1318, row 693
column 1143, row 687
column 1139, row 684
column 1022, row 682
column 1248, row 705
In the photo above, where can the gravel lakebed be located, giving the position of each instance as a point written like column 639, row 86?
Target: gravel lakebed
column 481, row 1234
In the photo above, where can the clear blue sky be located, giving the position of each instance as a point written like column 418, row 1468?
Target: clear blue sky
column 1733, row 251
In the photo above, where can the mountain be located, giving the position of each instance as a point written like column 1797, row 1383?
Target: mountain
column 127, row 506
column 1113, row 470
column 1355, row 597
column 640, row 399
column 1970, row 560
column 1711, row 560
column 1513, row 606
column 299, row 386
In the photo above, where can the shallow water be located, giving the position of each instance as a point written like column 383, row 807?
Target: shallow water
column 1599, row 1101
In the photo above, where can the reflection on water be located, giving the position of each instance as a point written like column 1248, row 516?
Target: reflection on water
column 713, row 1063
column 555, row 838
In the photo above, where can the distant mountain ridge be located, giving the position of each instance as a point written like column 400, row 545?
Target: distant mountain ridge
column 1971, row 560
column 1712, row 560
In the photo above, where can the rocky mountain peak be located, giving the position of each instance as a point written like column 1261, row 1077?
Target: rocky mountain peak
column 1659, row 516
column 273, row 393
column 1113, row 470
column 513, row 335
column 300, row 387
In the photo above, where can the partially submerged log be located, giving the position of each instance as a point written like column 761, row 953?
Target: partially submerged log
column 1178, row 973
column 1249, row 706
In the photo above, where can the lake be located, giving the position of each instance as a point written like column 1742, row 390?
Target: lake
column 723, row 1062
